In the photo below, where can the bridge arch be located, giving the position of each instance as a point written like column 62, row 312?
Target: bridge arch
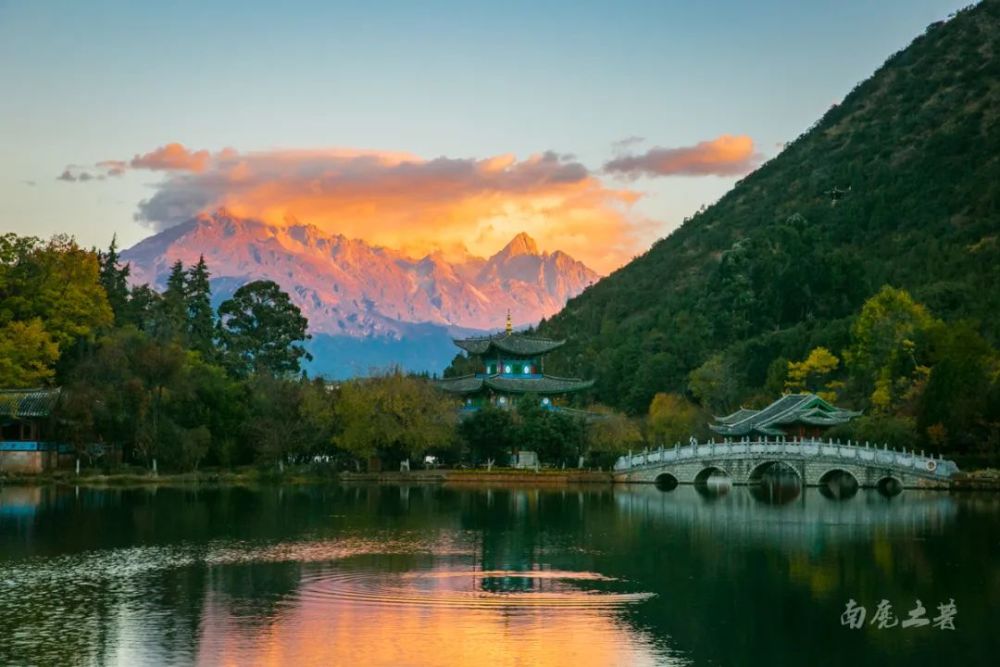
column 838, row 483
column 828, row 476
column 889, row 485
column 757, row 471
column 708, row 471
column 666, row 481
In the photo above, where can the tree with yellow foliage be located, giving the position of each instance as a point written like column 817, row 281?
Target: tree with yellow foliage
column 50, row 297
column 812, row 374
column 885, row 353
column 672, row 418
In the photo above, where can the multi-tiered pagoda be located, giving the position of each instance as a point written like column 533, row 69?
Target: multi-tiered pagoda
column 510, row 365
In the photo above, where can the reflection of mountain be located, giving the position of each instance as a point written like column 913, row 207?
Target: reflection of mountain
column 368, row 305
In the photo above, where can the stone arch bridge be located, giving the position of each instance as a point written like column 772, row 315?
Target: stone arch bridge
column 813, row 460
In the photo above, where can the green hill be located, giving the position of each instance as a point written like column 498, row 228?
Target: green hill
column 899, row 184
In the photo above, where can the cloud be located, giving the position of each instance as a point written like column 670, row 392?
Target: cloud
column 627, row 142
column 171, row 157
column 73, row 174
column 401, row 200
column 113, row 167
column 726, row 155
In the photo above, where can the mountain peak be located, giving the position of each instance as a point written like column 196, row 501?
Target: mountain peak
column 522, row 244
column 349, row 287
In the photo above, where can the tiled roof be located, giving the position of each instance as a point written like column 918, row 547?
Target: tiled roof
column 465, row 384
column 28, row 402
column 789, row 409
column 547, row 384
column 510, row 343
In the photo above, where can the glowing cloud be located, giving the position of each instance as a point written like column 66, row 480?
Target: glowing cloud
column 172, row 157
column 727, row 155
column 401, row 200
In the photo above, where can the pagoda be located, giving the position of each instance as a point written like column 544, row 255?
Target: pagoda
column 510, row 367
column 792, row 415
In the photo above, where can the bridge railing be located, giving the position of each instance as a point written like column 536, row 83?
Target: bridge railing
column 799, row 448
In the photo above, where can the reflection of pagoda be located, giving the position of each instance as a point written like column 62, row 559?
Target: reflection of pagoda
column 511, row 366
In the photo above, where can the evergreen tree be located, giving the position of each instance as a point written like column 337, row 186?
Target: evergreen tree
column 201, row 322
column 114, row 279
column 260, row 329
column 172, row 322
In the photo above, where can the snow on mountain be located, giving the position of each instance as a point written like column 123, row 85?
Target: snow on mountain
column 348, row 288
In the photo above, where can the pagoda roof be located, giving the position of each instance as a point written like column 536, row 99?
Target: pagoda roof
column 19, row 403
column 789, row 409
column 511, row 343
column 546, row 384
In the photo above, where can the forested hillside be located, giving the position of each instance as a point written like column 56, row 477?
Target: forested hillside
column 897, row 185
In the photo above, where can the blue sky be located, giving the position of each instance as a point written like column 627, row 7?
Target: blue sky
column 86, row 82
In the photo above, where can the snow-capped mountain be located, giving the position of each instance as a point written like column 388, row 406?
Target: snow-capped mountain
column 348, row 288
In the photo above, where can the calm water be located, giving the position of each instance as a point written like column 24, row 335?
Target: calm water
column 441, row 576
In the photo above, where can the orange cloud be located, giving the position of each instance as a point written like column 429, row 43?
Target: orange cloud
column 172, row 157
column 403, row 201
column 726, row 155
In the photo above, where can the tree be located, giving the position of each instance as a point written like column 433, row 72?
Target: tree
column 715, row 384
column 143, row 311
column 198, row 299
column 556, row 437
column 811, row 374
column 57, row 283
column 114, row 280
column 158, row 366
column 953, row 406
column 393, row 416
column 610, row 435
column 672, row 418
column 27, row 354
column 172, row 320
column 274, row 426
column 885, row 353
column 260, row 329
column 488, row 434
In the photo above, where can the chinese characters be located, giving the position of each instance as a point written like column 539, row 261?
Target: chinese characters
column 854, row 616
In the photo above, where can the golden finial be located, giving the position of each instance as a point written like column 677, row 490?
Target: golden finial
column 510, row 327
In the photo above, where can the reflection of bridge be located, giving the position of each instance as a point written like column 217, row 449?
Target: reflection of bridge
column 814, row 461
column 810, row 518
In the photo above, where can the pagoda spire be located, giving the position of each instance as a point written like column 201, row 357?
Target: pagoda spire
column 510, row 327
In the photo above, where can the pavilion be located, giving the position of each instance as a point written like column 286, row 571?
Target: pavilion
column 510, row 366
column 25, row 430
column 792, row 415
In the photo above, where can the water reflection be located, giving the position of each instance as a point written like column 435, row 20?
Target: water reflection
column 430, row 575
column 362, row 616
column 777, row 484
column 713, row 483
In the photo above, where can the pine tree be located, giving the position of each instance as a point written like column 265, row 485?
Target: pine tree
column 114, row 279
column 200, row 319
column 173, row 316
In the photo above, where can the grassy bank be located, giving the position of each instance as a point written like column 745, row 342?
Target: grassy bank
column 497, row 476
column 139, row 477
column 980, row 480
column 304, row 475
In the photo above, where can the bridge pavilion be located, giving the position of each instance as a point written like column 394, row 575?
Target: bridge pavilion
column 792, row 415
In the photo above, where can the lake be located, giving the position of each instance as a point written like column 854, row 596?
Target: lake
column 431, row 575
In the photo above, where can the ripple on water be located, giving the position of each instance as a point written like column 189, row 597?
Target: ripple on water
column 467, row 589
